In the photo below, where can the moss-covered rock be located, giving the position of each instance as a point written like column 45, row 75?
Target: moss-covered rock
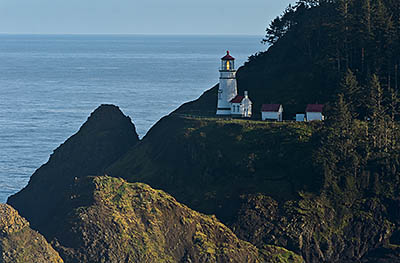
column 131, row 222
column 315, row 226
column 19, row 243
column 274, row 254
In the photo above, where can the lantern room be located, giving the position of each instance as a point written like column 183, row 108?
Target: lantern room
column 227, row 62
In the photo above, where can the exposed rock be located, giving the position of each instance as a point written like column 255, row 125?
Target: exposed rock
column 315, row 228
column 131, row 222
column 19, row 243
column 105, row 137
column 274, row 254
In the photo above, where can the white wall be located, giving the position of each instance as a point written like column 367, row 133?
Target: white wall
column 314, row 116
column 234, row 109
column 271, row 116
column 247, row 107
column 227, row 90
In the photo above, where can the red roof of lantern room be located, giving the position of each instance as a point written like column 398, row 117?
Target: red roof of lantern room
column 228, row 57
column 270, row 107
column 237, row 99
column 314, row 108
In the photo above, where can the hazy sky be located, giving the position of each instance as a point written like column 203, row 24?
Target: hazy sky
column 139, row 17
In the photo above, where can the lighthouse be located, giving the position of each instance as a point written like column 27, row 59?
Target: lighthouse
column 227, row 85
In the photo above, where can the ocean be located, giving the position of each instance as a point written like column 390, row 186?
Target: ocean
column 49, row 85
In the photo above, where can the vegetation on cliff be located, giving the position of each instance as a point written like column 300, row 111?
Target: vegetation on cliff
column 19, row 243
column 208, row 163
column 104, row 219
column 131, row 222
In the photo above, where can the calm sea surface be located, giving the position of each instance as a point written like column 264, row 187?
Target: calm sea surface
column 50, row 84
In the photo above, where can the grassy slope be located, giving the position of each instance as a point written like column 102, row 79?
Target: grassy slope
column 208, row 163
column 135, row 223
column 19, row 243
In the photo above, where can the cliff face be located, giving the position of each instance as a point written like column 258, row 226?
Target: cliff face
column 19, row 243
column 317, row 228
column 106, row 136
column 116, row 221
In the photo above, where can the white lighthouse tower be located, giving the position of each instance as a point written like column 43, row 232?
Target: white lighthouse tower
column 227, row 85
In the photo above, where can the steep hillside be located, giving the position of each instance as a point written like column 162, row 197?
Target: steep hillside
column 116, row 221
column 320, row 229
column 105, row 137
column 209, row 163
column 19, row 243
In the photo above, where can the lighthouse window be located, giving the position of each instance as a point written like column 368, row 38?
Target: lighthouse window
column 227, row 65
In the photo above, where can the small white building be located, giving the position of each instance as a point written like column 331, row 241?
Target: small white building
column 272, row 112
column 241, row 106
column 314, row 112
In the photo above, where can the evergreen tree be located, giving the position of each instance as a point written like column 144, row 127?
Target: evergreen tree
column 352, row 91
column 378, row 126
column 337, row 154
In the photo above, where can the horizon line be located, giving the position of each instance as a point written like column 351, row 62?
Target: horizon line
column 131, row 34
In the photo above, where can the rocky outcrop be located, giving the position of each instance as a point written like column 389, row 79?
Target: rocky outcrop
column 317, row 228
column 106, row 136
column 116, row 221
column 19, row 243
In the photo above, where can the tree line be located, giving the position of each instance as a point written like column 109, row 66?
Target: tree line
column 356, row 43
column 360, row 35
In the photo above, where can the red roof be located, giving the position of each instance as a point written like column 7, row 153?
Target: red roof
column 314, row 108
column 237, row 99
column 228, row 57
column 270, row 107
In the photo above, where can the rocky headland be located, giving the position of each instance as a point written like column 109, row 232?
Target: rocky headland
column 233, row 190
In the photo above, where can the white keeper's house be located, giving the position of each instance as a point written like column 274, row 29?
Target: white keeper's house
column 229, row 103
column 241, row 106
column 272, row 112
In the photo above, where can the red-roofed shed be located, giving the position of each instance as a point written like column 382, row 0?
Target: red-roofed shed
column 272, row 112
column 314, row 108
column 314, row 112
column 271, row 107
